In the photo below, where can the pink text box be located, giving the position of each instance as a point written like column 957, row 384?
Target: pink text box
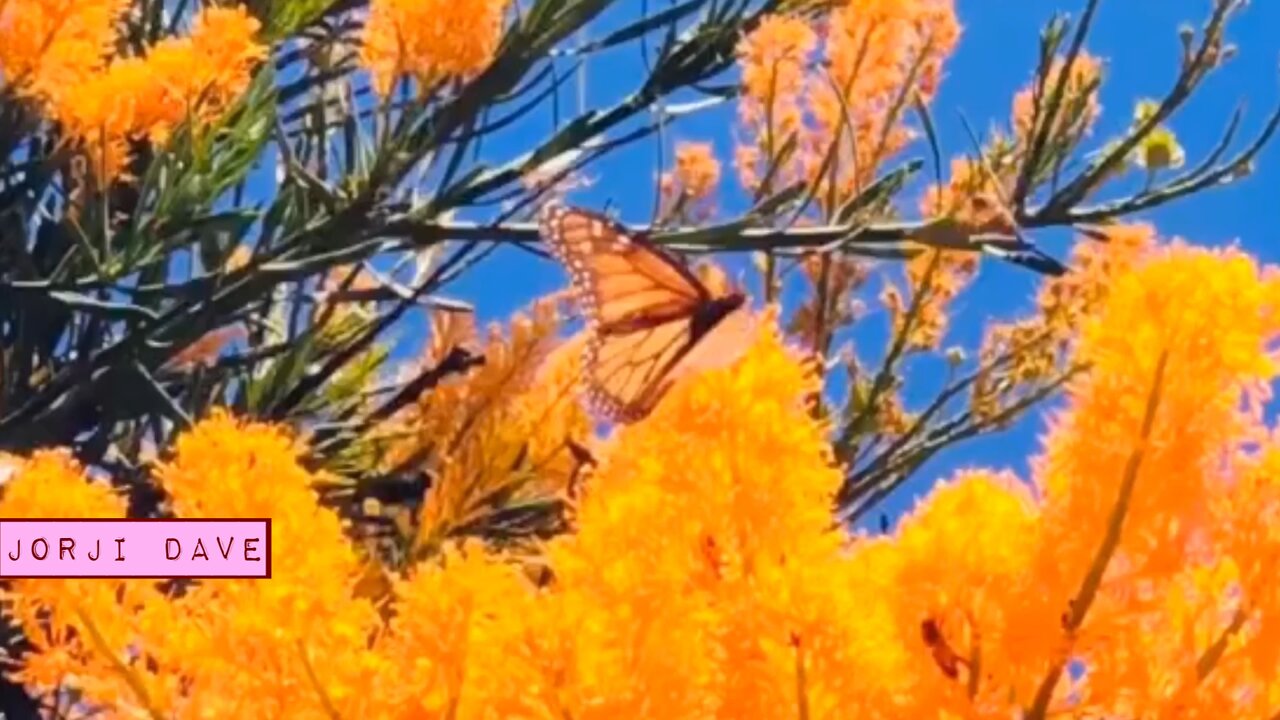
column 140, row 548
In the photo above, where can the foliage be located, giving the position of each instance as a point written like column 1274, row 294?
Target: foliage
column 201, row 346
column 702, row 581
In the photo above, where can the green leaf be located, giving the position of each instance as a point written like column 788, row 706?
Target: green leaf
column 780, row 200
column 282, row 18
column 102, row 308
column 187, row 178
column 640, row 28
column 881, row 191
column 347, row 387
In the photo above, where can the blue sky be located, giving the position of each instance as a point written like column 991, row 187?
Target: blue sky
column 1139, row 42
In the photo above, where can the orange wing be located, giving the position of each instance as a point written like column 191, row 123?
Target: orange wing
column 620, row 279
column 645, row 310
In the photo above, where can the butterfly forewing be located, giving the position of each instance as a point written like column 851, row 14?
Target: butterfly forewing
column 621, row 281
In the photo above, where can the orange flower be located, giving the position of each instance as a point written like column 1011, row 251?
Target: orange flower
column 75, row 626
column 688, row 188
column 973, row 595
column 457, row 614
column 972, row 196
column 825, row 313
column 501, row 430
column 879, row 57
column 430, row 40
column 773, row 58
column 1180, row 362
column 266, row 638
column 203, row 73
column 238, row 259
column 882, row 55
column 1037, row 346
column 1242, row 612
column 1078, row 107
column 970, row 203
column 229, row 468
column 1212, row 315
column 697, row 169
column 48, row 47
column 197, row 76
column 701, row 585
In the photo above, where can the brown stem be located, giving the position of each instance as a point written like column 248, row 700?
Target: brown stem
column 1209, row 660
column 1084, row 598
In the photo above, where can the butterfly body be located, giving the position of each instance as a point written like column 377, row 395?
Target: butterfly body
column 705, row 316
column 709, row 314
column 649, row 319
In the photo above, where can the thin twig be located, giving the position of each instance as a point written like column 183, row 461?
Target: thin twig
column 1083, row 601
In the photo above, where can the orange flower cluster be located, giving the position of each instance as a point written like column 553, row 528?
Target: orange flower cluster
column 970, row 203
column 774, row 60
column 933, row 280
column 877, row 58
column 501, row 430
column 1078, row 106
column 196, row 77
column 1132, row 575
column 50, row 46
column 104, row 105
column 234, row 649
column 82, row 626
column 973, row 197
column 430, row 40
column 1033, row 349
column 823, row 314
column 688, row 189
column 883, row 54
column 1163, row 432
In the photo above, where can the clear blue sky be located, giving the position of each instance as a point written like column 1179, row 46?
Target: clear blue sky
column 996, row 56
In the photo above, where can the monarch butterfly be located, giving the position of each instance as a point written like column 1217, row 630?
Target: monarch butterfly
column 650, row 320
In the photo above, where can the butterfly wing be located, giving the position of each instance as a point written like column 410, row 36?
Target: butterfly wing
column 621, row 281
column 629, row 372
column 645, row 310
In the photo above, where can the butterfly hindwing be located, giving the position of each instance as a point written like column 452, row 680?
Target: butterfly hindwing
column 630, row 371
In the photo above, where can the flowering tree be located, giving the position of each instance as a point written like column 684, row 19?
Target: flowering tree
column 178, row 342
